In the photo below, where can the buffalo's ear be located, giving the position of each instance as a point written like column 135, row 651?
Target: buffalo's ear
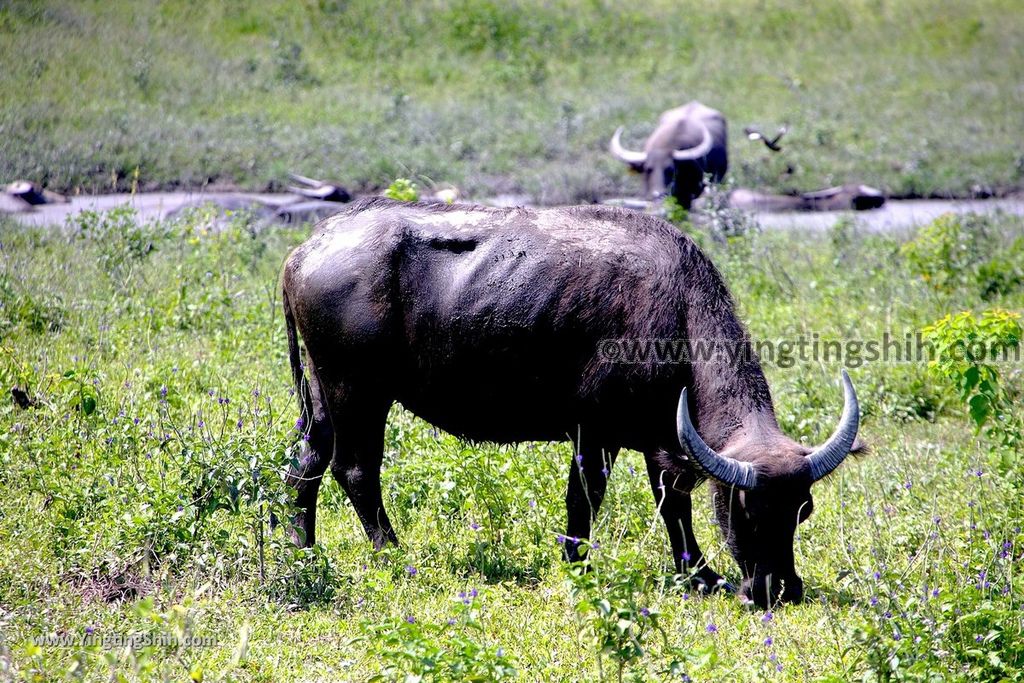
column 673, row 464
column 859, row 448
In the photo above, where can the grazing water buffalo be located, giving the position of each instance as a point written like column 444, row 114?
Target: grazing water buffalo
column 689, row 142
column 494, row 324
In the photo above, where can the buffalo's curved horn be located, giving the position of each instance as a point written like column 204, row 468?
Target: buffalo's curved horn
column 832, row 453
column 311, row 182
column 698, row 152
column 723, row 468
column 625, row 155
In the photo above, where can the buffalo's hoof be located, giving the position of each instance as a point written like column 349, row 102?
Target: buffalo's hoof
column 707, row 582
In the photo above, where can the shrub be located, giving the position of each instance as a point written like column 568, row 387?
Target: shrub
column 947, row 252
column 966, row 351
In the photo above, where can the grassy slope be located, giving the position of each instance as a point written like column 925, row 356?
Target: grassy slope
column 915, row 97
column 91, row 504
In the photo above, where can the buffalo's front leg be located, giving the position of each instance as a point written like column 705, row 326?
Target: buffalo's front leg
column 672, row 497
column 588, row 481
column 358, row 452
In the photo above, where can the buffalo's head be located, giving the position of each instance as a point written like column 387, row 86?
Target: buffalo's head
column 666, row 169
column 761, row 487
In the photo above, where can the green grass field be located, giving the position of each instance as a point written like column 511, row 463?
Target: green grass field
column 916, row 97
column 136, row 492
column 136, row 489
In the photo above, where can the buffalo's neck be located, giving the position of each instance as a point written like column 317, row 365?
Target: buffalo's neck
column 729, row 392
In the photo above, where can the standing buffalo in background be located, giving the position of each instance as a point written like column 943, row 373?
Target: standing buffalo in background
column 689, row 143
column 498, row 325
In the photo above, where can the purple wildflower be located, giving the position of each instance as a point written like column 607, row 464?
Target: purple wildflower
column 299, row 424
column 711, row 628
column 410, row 619
column 768, row 641
column 685, row 556
column 767, row 617
column 411, row 569
column 163, row 391
column 644, row 612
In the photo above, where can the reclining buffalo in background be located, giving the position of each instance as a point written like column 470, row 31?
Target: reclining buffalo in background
column 689, row 143
column 500, row 325
column 850, row 197
column 32, row 194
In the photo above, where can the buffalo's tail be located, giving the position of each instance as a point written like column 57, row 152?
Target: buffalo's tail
column 302, row 390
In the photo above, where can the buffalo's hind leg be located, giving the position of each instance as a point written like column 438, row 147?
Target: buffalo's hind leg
column 315, row 451
column 588, row 481
column 672, row 497
column 358, row 452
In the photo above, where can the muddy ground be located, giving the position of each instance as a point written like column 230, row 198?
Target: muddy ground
column 894, row 216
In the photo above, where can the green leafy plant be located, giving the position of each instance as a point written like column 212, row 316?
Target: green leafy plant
column 966, row 351
column 80, row 393
column 403, row 190
column 412, row 650
column 612, row 601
